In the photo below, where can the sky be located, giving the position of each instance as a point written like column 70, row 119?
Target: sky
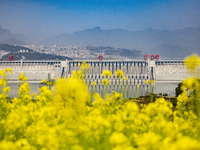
column 39, row 19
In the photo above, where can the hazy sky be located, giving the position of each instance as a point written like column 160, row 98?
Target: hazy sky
column 45, row 18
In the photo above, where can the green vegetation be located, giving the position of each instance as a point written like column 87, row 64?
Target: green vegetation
column 35, row 56
column 30, row 55
column 12, row 48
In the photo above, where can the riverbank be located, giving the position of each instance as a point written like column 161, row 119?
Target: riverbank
column 167, row 81
column 39, row 81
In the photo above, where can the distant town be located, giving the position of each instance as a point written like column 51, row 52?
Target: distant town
column 83, row 53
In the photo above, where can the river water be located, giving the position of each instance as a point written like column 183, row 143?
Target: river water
column 127, row 90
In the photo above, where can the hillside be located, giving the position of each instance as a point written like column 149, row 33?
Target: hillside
column 115, row 52
column 34, row 56
column 12, row 48
column 30, row 55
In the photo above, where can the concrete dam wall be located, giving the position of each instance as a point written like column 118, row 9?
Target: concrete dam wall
column 170, row 71
column 34, row 70
column 135, row 71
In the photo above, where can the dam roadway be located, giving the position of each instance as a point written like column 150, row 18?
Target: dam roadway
column 136, row 71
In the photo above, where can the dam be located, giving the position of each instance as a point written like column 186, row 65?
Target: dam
column 137, row 71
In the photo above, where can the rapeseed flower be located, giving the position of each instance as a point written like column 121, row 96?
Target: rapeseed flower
column 6, row 89
column 49, row 83
column 182, row 100
column 119, row 73
column 3, row 82
column 117, row 96
column 93, row 83
column 105, row 82
column 192, row 62
column 22, row 77
column 84, row 66
column 73, row 91
column 125, row 78
column 2, row 73
column 106, row 73
column 44, row 81
column 51, row 118
column 147, row 81
column 9, row 70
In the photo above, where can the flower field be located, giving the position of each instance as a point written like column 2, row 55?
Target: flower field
column 63, row 117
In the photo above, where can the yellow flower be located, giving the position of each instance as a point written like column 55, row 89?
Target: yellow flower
column 118, row 138
column 9, row 70
column 80, row 73
column 149, row 140
column 182, row 100
column 138, row 85
column 98, row 101
column 105, row 82
column 3, row 82
column 74, row 73
column 125, row 78
column 19, row 77
column 24, row 78
column 24, row 89
column 119, row 73
column 2, row 73
column 149, row 81
column 73, row 91
column 44, row 81
column 93, row 83
column 190, row 83
column 85, row 66
column 34, row 94
column 49, row 83
column 117, row 96
column 6, row 89
column 106, row 73
column 192, row 62
column 131, row 107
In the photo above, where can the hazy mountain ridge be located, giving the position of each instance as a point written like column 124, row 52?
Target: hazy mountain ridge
column 168, row 44
column 151, row 41
column 6, row 37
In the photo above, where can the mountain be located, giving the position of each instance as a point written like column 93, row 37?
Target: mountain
column 5, row 34
column 6, row 37
column 150, row 41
